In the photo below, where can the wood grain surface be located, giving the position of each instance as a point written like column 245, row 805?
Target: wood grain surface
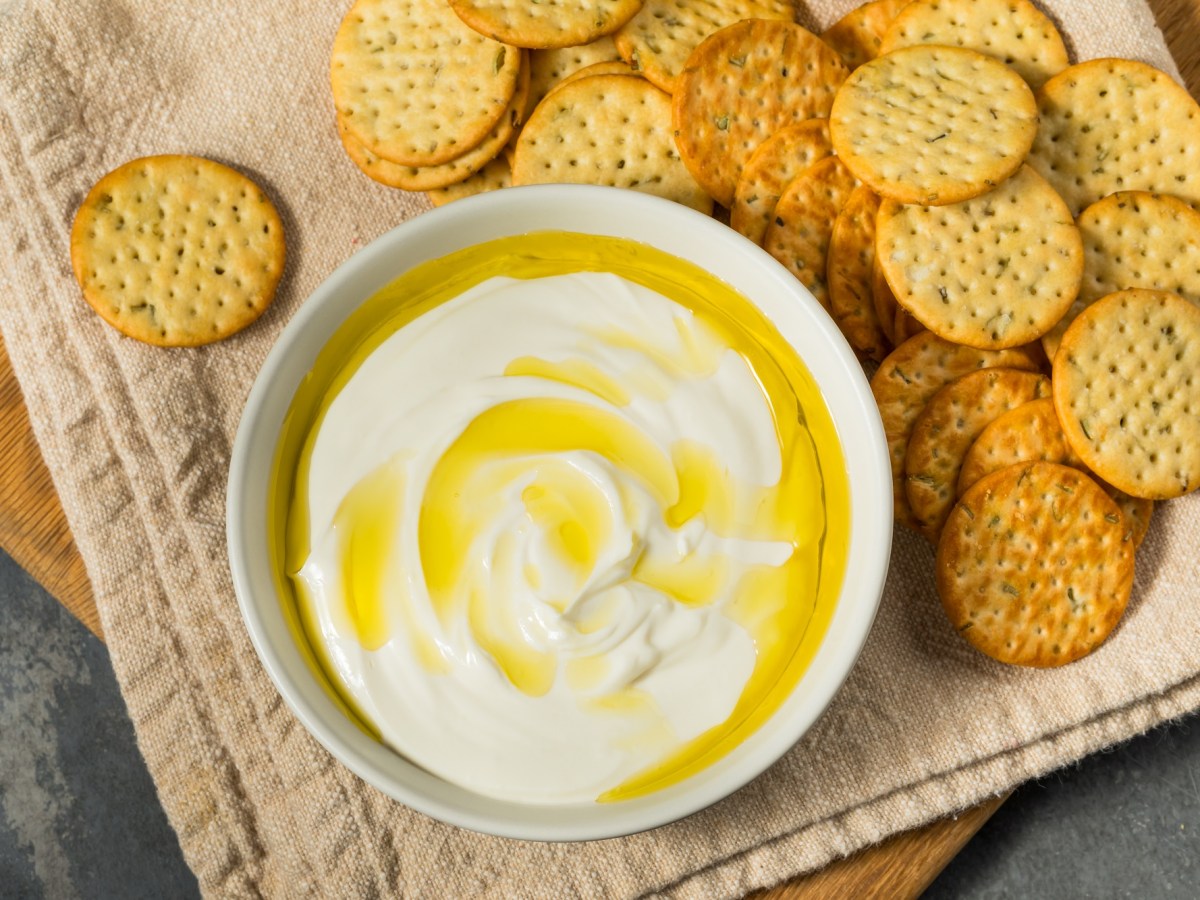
column 33, row 530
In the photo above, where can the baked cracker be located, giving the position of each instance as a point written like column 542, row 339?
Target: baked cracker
column 1034, row 567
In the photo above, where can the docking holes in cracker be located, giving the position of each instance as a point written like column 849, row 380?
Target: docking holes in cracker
column 177, row 250
column 915, row 371
column 933, row 125
column 995, row 271
column 1034, row 566
column 1127, row 391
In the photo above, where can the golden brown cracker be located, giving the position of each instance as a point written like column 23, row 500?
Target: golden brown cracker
column 1127, row 392
column 659, row 39
column 770, row 168
column 948, row 426
column 915, row 371
column 429, row 178
column 1032, row 433
column 995, row 271
column 548, row 67
column 1134, row 239
column 495, row 175
column 799, row 233
column 1029, row 433
column 850, row 266
column 741, row 85
column 415, row 85
column 1117, row 125
column 546, row 24
column 1015, row 32
column 894, row 319
column 933, row 125
column 609, row 130
column 609, row 67
column 858, row 35
column 177, row 250
column 1034, row 567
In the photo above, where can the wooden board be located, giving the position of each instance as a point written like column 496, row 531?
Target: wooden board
column 33, row 530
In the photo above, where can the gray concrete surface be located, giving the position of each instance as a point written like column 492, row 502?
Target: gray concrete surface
column 78, row 813
column 79, row 816
column 1124, row 823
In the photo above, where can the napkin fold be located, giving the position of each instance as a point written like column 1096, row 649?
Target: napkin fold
column 138, row 442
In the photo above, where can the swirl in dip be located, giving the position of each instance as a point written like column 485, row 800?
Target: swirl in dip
column 564, row 518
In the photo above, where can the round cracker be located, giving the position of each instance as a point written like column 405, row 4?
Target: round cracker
column 548, row 67
column 799, row 234
column 495, row 175
column 897, row 322
column 858, row 35
column 659, row 39
column 915, row 371
column 1029, row 433
column 1034, row 567
column 740, row 86
column 1127, row 392
column 933, row 125
column 428, row 178
column 609, row 130
column 414, row 84
column 849, row 269
column 177, row 250
column 894, row 319
column 1015, row 32
column 1116, row 125
column 770, row 168
column 609, row 67
column 1134, row 239
column 546, row 24
column 1032, row 433
column 948, row 426
column 996, row 271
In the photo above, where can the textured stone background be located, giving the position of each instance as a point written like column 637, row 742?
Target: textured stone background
column 79, row 817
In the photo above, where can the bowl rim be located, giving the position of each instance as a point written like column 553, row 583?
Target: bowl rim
column 585, row 209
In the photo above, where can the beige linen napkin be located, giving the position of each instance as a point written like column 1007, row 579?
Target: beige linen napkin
column 138, row 441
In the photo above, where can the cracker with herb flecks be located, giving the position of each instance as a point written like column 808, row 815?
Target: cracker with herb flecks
column 994, row 271
column 894, row 319
column 177, row 250
column 933, row 125
column 858, row 35
column 415, row 85
column 659, row 39
column 799, row 234
column 849, row 269
column 1117, row 125
column 495, row 175
column 1034, row 566
column 915, row 371
column 1127, row 392
column 948, row 426
column 611, row 130
column 548, row 67
column 964, row 253
column 1032, row 433
column 1134, row 239
column 428, row 178
column 1029, row 433
column 741, row 85
column 610, row 67
column 546, row 24
column 770, row 168
column 1015, row 32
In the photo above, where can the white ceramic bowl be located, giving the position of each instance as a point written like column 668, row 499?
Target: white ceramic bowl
column 591, row 210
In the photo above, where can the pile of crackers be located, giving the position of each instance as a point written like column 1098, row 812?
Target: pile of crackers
column 1009, row 241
